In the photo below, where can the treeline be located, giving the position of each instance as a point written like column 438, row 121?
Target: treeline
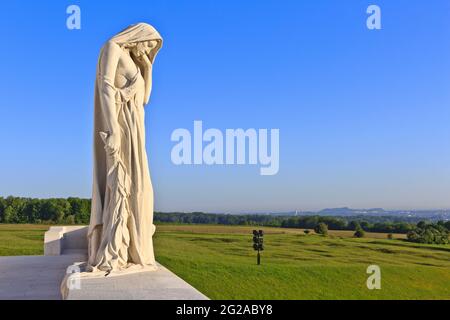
column 223, row 219
column 348, row 223
column 430, row 233
column 45, row 211
column 77, row 211
column 299, row 222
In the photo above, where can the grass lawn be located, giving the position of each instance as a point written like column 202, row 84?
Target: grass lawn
column 22, row 239
column 220, row 262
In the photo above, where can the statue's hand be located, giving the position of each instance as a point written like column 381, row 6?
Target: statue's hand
column 112, row 142
column 143, row 60
column 146, row 59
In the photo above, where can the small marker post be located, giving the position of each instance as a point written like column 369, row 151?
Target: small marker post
column 258, row 244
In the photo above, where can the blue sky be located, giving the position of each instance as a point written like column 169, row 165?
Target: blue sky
column 363, row 115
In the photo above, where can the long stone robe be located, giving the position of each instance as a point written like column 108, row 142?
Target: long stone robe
column 121, row 226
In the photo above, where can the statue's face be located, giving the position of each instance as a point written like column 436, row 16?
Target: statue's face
column 143, row 48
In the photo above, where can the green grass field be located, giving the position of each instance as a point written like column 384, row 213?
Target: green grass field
column 220, row 262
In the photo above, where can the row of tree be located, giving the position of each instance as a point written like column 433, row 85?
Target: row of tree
column 423, row 232
column 385, row 224
column 77, row 211
column 49, row 211
column 437, row 233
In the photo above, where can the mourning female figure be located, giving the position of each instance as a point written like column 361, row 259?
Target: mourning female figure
column 121, row 227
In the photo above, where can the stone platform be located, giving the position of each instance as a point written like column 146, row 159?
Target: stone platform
column 34, row 277
column 41, row 277
column 154, row 285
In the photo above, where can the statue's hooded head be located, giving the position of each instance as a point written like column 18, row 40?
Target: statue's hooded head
column 140, row 38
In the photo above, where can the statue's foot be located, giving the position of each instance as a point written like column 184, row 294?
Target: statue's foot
column 139, row 268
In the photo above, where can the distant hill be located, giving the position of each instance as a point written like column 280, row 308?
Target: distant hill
column 435, row 215
column 352, row 212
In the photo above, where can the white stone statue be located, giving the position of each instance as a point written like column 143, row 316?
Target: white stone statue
column 121, row 227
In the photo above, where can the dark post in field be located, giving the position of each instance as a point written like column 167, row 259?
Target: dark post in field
column 258, row 243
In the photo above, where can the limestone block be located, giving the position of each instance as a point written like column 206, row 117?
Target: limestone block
column 65, row 238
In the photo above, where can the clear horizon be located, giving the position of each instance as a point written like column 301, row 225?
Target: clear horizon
column 271, row 211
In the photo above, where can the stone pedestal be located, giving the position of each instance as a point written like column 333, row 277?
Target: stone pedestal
column 154, row 285
column 45, row 277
